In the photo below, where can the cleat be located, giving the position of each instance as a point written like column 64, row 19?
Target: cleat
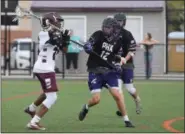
column 32, row 114
column 83, row 113
column 129, row 124
column 35, row 126
column 118, row 113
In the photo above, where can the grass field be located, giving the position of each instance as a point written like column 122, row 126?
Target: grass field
column 162, row 101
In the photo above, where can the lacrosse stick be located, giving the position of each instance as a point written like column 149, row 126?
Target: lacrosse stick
column 22, row 13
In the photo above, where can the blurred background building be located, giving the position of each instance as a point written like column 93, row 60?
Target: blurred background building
column 18, row 29
column 84, row 17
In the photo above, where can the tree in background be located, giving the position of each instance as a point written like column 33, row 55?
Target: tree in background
column 175, row 15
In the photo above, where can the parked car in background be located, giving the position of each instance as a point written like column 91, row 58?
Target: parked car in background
column 20, row 53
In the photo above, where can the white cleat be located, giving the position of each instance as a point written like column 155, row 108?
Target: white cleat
column 35, row 126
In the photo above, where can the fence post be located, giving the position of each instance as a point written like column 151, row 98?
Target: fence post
column 166, row 11
column 5, row 41
column 63, row 65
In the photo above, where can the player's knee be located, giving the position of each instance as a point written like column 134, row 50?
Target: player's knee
column 50, row 99
column 130, row 88
column 96, row 99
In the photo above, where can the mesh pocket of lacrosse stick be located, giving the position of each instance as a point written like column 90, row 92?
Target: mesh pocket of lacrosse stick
column 20, row 13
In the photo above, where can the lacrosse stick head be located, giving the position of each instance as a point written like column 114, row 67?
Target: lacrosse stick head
column 21, row 13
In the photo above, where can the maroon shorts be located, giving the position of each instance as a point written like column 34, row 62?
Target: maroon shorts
column 47, row 81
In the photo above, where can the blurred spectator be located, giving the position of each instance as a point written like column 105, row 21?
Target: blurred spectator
column 73, row 52
column 148, row 43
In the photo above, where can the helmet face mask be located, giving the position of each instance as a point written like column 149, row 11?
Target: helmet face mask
column 121, row 23
column 107, row 30
column 121, row 18
column 109, row 27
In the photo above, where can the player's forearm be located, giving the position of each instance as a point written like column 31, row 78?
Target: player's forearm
column 127, row 57
column 131, row 51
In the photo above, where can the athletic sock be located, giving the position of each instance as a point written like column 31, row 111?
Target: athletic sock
column 35, row 119
column 125, row 118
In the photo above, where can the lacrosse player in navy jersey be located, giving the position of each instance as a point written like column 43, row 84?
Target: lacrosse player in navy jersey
column 106, row 43
column 127, row 53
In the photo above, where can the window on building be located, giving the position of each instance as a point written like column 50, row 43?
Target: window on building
column 77, row 24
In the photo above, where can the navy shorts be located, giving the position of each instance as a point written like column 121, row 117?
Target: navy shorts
column 109, row 80
column 127, row 76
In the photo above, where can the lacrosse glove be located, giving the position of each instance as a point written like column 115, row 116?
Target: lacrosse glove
column 88, row 48
column 65, row 40
column 118, row 68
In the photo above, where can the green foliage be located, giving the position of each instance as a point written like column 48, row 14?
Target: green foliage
column 175, row 15
column 175, row 4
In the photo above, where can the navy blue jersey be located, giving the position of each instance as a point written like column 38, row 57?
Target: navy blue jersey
column 104, row 48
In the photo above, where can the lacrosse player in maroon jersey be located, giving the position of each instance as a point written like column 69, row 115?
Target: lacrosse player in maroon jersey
column 51, row 41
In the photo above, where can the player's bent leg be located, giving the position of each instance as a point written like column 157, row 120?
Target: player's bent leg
column 95, row 85
column 40, row 99
column 95, row 99
column 31, row 109
column 122, row 98
column 132, row 90
column 121, row 106
column 49, row 86
column 127, row 78
column 121, row 95
column 114, row 84
column 51, row 98
column 120, row 103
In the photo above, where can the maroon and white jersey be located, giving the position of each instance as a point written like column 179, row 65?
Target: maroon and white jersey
column 46, row 59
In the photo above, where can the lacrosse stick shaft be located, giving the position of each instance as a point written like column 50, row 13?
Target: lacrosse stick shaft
column 109, row 64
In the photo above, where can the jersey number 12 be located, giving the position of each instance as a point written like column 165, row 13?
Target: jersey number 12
column 104, row 55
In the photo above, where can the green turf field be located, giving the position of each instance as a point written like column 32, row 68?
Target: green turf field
column 161, row 100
